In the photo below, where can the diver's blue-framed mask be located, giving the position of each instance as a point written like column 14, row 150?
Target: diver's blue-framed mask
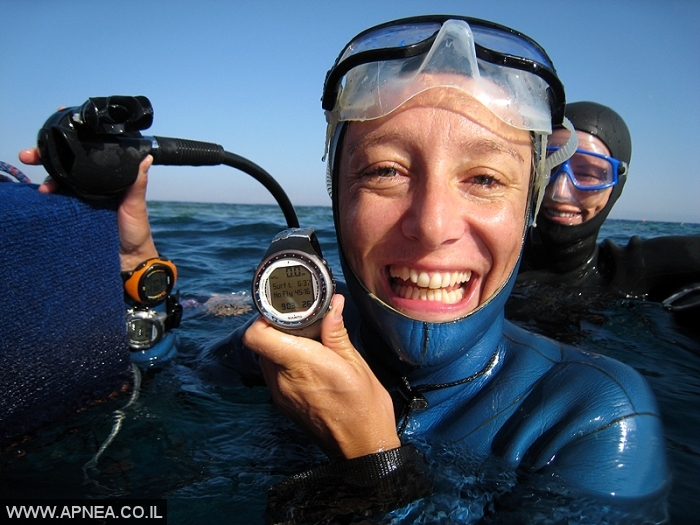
column 588, row 170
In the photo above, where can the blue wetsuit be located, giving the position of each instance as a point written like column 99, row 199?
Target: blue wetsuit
column 562, row 420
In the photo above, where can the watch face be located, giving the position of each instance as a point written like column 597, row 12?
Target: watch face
column 292, row 289
column 155, row 285
column 150, row 282
column 141, row 330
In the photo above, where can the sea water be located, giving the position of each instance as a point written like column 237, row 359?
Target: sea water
column 213, row 450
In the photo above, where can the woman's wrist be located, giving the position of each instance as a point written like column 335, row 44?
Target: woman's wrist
column 133, row 258
column 377, row 445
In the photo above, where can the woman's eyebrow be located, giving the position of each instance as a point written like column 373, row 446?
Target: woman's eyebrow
column 491, row 146
column 372, row 138
column 479, row 145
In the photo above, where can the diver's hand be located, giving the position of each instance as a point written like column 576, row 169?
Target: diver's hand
column 136, row 241
column 327, row 389
column 32, row 157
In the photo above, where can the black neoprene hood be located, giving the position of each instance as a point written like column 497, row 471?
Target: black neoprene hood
column 604, row 123
column 562, row 247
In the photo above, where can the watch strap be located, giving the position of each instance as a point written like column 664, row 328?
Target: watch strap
column 291, row 238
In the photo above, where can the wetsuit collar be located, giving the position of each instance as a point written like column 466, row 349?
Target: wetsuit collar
column 397, row 345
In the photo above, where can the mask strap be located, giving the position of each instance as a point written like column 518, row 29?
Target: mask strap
column 558, row 157
column 333, row 133
column 566, row 151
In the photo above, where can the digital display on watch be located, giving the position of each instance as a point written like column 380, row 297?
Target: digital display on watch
column 291, row 289
column 144, row 327
column 156, row 284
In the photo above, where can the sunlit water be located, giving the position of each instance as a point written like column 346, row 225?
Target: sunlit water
column 213, row 450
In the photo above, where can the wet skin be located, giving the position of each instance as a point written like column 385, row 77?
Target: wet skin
column 432, row 200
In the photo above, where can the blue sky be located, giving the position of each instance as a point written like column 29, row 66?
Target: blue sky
column 249, row 75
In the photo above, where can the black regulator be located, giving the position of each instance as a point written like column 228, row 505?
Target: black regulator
column 95, row 150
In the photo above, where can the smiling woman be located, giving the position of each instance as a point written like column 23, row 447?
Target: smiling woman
column 563, row 249
column 436, row 153
column 580, row 188
column 437, row 188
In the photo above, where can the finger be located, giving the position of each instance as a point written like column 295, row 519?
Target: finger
column 334, row 335
column 136, row 241
column 281, row 348
column 48, row 186
column 30, row 156
column 133, row 205
column 137, row 191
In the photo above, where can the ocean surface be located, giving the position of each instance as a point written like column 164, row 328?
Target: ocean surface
column 211, row 450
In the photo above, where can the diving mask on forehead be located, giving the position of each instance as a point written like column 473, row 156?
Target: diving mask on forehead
column 506, row 71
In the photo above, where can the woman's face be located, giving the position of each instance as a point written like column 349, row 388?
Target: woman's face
column 432, row 202
column 563, row 203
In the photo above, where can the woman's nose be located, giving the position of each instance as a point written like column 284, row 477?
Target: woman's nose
column 435, row 216
column 561, row 189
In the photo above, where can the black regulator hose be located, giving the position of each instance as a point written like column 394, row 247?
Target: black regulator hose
column 95, row 150
column 183, row 152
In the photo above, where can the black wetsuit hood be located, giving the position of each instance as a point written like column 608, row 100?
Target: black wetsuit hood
column 563, row 249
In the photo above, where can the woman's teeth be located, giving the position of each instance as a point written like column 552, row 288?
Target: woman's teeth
column 562, row 211
column 428, row 286
column 562, row 214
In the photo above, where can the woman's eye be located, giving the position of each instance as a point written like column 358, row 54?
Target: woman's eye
column 484, row 180
column 382, row 172
column 590, row 175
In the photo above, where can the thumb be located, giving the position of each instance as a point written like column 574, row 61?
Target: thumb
column 136, row 242
column 133, row 206
column 334, row 335
column 137, row 191
column 30, row 156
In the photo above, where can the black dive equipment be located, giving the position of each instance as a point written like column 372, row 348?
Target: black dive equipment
column 146, row 326
column 293, row 285
column 153, row 311
column 95, row 150
column 151, row 281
